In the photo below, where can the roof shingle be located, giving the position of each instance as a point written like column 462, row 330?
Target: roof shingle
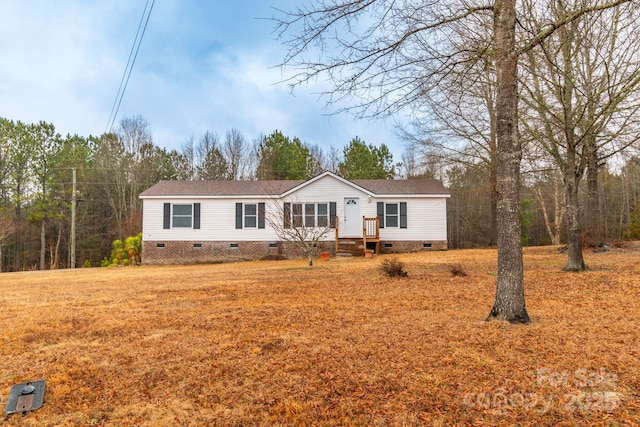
column 277, row 187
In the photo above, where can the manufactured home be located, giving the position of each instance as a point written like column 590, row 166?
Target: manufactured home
column 207, row 221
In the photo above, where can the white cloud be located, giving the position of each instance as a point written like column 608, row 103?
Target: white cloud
column 200, row 67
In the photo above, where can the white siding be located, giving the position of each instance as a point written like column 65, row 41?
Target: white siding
column 217, row 222
column 426, row 220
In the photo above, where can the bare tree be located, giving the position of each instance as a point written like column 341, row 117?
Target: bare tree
column 188, row 151
column 293, row 223
column 458, row 121
column 333, row 159
column 126, row 163
column 236, row 152
column 580, row 91
column 386, row 54
column 553, row 224
column 316, row 160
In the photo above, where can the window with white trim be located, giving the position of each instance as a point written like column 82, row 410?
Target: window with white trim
column 182, row 216
column 323, row 215
column 250, row 215
column 391, row 214
column 309, row 214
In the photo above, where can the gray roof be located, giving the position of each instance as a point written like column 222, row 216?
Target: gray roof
column 274, row 188
column 402, row 186
column 219, row 188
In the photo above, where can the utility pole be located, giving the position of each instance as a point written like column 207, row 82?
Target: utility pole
column 73, row 221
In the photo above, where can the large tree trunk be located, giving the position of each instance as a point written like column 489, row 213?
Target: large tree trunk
column 573, row 169
column 509, row 304
column 575, row 261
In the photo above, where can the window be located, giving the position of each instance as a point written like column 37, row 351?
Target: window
column 250, row 216
column 391, row 215
column 181, row 216
column 309, row 214
column 297, row 215
column 323, row 215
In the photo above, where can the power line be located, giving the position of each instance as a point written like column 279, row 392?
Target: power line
column 125, row 76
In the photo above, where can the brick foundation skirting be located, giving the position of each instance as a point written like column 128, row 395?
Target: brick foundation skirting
column 398, row 247
column 182, row 252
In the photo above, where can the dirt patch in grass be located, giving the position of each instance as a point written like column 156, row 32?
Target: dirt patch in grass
column 276, row 343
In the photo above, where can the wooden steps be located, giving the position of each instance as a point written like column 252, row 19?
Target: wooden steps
column 350, row 247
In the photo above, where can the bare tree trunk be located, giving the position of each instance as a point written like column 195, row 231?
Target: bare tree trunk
column 42, row 245
column 509, row 303
column 574, row 163
column 55, row 256
column 594, row 227
column 553, row 230
column 575, row 260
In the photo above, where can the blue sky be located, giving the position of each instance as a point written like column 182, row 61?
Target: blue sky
column 203, row 66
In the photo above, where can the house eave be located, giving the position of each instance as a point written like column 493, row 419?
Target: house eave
column 213, row 196
column 411, row 196
column 322, row 175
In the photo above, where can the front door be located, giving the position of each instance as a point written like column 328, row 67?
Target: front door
column 352, row 222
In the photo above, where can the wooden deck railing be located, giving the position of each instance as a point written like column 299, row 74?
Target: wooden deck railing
column 337, row 234
column 371, row 232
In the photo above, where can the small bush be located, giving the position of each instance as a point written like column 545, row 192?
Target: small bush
column 125, row 252
column 394, row 268
column 457, row 270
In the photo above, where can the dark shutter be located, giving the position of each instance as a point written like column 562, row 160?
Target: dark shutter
column 196, row 215
column 287, row 215
column 381, row 213
column 332, row 214
column 260, row 215
column 238, row 215
column 403, row 214
column 166, row 220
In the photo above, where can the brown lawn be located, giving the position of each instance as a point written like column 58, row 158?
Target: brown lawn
column 275, row 343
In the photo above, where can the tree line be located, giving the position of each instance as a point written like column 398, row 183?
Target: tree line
column 36, row 181
column 36, row 184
